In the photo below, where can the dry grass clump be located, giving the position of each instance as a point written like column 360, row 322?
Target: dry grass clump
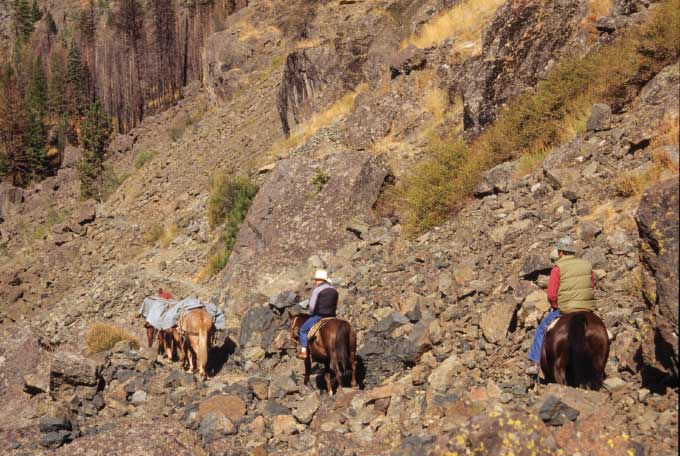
column 248, row 31
column 306, row 130
column 599, row 8
column 163, row 234
column 531, row 161
column 633, row 284
column 169, row 234
column 306, row 43
column 153, row 234
column 540, row 119
column 102, row 336
column 634, row 183
column 464, row 22
column 435, row 101
column 596, row 9
column 668, row 131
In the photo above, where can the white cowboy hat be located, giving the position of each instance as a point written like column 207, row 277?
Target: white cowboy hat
column 321, row 275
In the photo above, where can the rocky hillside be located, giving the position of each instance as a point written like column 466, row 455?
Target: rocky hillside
column 325, row 105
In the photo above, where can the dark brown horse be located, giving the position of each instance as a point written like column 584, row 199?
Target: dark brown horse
column 335, row 346
column 575, row 351
column 168, row 341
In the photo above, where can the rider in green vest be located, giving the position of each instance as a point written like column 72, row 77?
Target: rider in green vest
column 571, row 288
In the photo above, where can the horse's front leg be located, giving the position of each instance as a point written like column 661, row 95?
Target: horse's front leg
column 308, row 371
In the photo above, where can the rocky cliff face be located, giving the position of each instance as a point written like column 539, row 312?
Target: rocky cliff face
column 444, row 321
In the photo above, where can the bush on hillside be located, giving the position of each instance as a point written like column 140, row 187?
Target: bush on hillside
column 102, row 336
column 153, row 234
column 229, row 201
column 542, row 118
column 143, row 157
column 226, row 195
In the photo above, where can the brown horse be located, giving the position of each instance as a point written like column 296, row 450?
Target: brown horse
column 335, row 346
column 575, row 351
column 169, row 341
column 194, row 329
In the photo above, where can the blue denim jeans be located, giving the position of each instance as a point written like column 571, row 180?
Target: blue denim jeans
column 535, row 352
column 304, row 329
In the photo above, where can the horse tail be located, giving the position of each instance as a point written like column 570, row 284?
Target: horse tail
column 342, row 347
column 580, row 369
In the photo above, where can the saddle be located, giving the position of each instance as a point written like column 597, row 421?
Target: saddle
column 314, row 330
column 552, row 324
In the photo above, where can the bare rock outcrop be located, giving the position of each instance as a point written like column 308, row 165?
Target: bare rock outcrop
column 522, row 43
column 300, row 211
column 657, row 220
column 315, row 76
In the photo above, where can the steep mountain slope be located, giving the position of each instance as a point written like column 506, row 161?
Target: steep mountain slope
column 294, row 90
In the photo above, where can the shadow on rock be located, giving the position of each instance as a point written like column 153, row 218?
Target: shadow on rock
column 219, row 355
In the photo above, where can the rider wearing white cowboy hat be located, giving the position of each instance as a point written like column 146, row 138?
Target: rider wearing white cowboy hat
column 322, row 304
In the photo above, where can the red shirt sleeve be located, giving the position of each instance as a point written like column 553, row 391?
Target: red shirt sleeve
column 553, row 286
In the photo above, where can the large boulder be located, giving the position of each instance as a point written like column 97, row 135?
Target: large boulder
column 23, row 362
column 10, row 198
column 497, row 321
column 657, row 220
column 301, row 210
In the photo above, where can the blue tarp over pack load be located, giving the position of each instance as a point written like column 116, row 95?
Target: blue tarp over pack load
column 164, row 313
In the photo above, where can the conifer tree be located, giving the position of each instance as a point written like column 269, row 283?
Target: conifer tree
column 23, row 20
column 36, row 14
column 96, row 128
column 51, row 25
column 76, row 83
column 15, row 161
column 36, row 108
column 57, row 84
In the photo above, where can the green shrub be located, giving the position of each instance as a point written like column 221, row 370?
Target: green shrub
column 541, row 119
column 320, row 179
column 4, row 250
column 217, row 262
column 226, row 194
column 39, row 233
column 143, row 157
column 54, row 217
column 102, row 336
column 229, row 201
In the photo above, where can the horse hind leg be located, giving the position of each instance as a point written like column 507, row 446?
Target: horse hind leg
column 327, row 377
column 352, row 357
column 335, row 366
column 191, row 354
column 559, row 371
